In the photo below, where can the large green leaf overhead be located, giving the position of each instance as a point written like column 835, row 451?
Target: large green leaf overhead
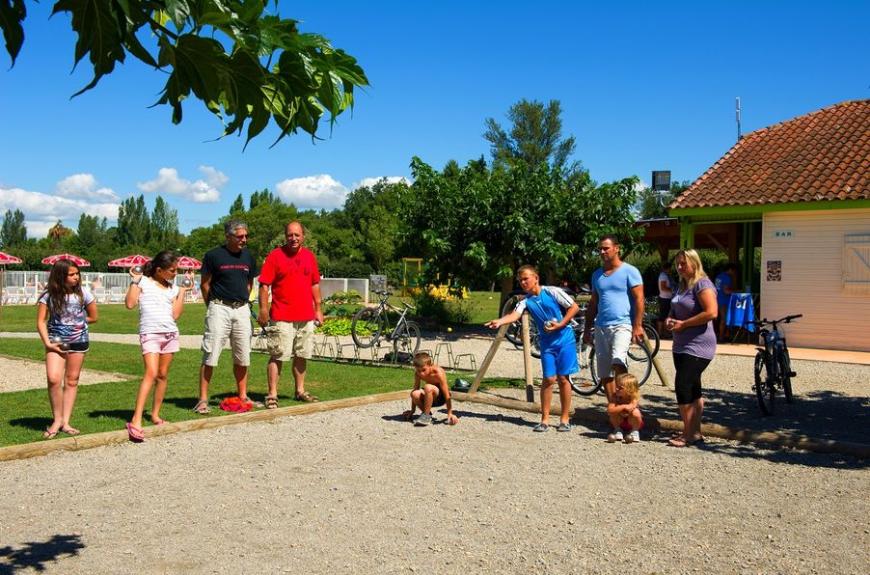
column 245, row 66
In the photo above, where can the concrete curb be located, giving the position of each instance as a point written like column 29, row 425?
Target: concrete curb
column 860, row 450
column 91, row 440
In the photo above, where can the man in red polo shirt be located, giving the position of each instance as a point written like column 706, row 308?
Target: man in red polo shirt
column 291, row 273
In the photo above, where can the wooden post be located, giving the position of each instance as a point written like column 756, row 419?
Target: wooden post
column 527, row 359
column 499, row 337
column 655, row 361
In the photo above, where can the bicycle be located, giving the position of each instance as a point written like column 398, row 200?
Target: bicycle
column 773, row 358
column 639, row 356
column 514, row 331
column 375, row 321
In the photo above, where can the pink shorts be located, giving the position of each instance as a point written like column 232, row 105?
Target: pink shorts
column 166, row 342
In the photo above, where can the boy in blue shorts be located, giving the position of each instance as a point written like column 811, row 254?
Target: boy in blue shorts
column 552, row 310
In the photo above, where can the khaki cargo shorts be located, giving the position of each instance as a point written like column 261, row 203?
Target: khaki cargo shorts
column 222, row 324
column 297, row 339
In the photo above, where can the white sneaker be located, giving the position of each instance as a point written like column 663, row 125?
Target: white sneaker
column 633, row 437
column 615, row 435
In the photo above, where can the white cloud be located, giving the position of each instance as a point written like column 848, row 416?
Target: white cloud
column 201, row 191
column 369, row 182
column 313, row 192
column 84, row 186
column 41, row 211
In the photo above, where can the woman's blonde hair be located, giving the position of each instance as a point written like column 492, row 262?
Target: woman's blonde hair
column 695, row 260
column 629, row 384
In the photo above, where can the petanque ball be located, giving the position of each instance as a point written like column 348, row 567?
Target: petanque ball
column 461, row 385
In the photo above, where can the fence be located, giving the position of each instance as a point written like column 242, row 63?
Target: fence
column 25, row 286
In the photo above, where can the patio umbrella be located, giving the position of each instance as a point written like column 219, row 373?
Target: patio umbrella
column 188, row 263
column 129, row 261
column 4, row 260
column 79, row 262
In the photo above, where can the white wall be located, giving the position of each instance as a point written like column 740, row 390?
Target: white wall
column 810, row 246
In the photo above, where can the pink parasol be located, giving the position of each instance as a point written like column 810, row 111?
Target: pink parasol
column 8, row 259
column 129, row 261
column 79, row 262
column 188, row 263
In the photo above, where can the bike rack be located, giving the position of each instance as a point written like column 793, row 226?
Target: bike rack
column 458, row 360
column 443, row 345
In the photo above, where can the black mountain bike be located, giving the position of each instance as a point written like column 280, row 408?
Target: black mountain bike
column 772, row 364
column 370, row 324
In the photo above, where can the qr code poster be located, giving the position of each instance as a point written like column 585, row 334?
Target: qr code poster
column 774, row 271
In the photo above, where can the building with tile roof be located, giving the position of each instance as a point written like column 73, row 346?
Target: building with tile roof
column 791, row 202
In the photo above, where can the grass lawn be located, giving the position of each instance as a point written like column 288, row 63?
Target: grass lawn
column 108, row 406
column 115, row 318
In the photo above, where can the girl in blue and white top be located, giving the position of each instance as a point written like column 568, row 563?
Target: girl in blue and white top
column 63, row 313
column 160, row 304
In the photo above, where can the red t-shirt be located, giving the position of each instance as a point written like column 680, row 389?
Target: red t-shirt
column 291, row 279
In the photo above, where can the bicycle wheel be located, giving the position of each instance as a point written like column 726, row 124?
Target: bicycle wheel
column 764, row 389
column 534, row 338
column 367, row 326
column 785, row 370
column 652, row 334
column 407, row 339
column 580, row 384
column 514, row 332
column 639, row 362
column 640, row 367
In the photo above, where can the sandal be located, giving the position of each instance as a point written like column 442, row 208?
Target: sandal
column 70, row 430
column 254, row 403
column 306, row 397
column 541, row 427
column 202, row 407
column 135, row 434
column 271, row 402
column 49, row 434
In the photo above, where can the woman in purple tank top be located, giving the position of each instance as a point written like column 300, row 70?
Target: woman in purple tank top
column 693, row 309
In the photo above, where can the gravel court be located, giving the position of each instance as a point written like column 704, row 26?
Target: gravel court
column 352, row 491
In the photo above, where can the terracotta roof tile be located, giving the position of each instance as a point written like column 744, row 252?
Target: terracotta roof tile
column 822, row 155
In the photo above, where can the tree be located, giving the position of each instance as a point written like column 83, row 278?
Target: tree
column 247, row 67
column 238, row 205
column 535, row 137
column 484, row 223
column 57, row 234
column 264, row 196
column 655, row 204
column 13, row 232
column 134, row 223
column 164, row 226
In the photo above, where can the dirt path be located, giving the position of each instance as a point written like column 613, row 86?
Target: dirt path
column 361, row 492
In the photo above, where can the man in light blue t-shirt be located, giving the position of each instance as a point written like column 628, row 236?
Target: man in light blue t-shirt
column 617, row 308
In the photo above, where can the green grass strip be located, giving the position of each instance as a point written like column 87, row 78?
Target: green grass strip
column 24, row 415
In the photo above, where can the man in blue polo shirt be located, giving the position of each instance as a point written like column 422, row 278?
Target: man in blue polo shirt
column 617, row 308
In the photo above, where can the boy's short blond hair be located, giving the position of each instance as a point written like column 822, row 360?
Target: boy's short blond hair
column 422, row 359
column 629, row 384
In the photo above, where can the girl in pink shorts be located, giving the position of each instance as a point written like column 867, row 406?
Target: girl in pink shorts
column 160, row 303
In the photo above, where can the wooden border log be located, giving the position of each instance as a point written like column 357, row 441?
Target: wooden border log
column 794, row 441
column 90, row 440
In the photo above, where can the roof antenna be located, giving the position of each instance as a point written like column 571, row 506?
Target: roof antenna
column 739, row 135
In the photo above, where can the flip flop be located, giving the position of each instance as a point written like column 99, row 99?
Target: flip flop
column 70, row 430
column 48, row 434
column 202, row 407
column 136, row 435
column 158, row 421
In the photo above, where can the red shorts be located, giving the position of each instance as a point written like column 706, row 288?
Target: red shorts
column 626, row 426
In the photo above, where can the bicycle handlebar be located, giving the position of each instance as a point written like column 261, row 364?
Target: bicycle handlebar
column 786, row 319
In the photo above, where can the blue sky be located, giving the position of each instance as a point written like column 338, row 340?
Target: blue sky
column 643, row 86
